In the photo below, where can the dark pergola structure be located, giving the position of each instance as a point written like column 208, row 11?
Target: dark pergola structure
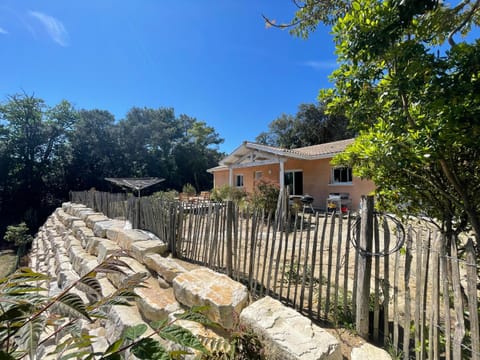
column 135, row 184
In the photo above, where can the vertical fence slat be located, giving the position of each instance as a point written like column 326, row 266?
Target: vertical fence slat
column 407, row 320
column 376, row 277
column 329, row 264
column 364, row 267
column 472, row 280
column 434, row 343
column 320, row 265
column 386, row 282
column 459, row 332
column 446, row 301
column 338, row 267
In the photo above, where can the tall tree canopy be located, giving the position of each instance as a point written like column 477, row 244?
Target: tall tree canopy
column 47, row 151
column 309, row 126
column 409, row 82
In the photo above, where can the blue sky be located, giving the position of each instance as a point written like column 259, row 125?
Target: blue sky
column 212, row 59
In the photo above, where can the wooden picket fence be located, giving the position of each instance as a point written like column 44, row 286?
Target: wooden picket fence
column 395, row 284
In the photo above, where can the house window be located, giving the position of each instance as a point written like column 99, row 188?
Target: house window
column 342, row 175
column 239, row 181
column 294, row 181
column 258, row 175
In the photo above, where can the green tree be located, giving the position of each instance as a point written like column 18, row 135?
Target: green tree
column 32, row 140
column 19, row 236
column 310, row 126
column 94, row 150
column 409, row 82
column 196, row 152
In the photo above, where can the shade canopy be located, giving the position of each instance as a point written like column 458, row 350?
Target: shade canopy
column 137, row 184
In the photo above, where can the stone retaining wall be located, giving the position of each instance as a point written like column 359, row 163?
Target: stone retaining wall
column 75, row 239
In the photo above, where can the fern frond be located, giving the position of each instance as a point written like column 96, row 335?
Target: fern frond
column 181, row 336
column 71, row 305
column 29, row 335
column 91, row 287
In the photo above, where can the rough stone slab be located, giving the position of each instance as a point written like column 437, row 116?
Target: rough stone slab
column 154, row 302
column 120, row 318
column 105, row 248
column 99, row 343
column 166, row 267
column 92, row 219
column 224, row 297
column 65, row 218
column 288, row 335
column 112, row 234
column 100, row 228
column 140, row 249
column 369, row 352
column 83, row 234
column 92, row 245
column 71, row 241
column 83, row 213
column 107, row 287
column 126, row 238
column 70, row 207
column 64, row 278
column 118, row 279
column 87, row 265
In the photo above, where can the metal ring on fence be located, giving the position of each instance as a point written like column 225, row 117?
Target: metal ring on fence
column 398, row 245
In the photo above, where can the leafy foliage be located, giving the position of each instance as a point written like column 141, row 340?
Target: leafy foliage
column 309, row 126
column 45, row 152
column 408, row 81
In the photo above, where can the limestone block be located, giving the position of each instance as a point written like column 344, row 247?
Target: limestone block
column 92, row 245
column 112, row 234
column 64, row 278
column 369, row 352
column 92, row 219
column 140, row 249
column 118, row 279
column 224, row 297
column 83, row 213
column 100, row 228
column 120, row 318
column 126, row 238
column 87, row 264
column 76, row 224
column 208, row 337
column 107, row 287
column 70, row 240
column 154, row 302
column 65, row 218
column 105, row 248
column 166, row 267
column 83, row 234
column 74, row 208
column 99, row 343
column 288, row 335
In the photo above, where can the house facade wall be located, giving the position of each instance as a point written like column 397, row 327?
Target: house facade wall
column 317, row 175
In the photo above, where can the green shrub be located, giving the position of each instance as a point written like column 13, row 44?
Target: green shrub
column 189, row 189
column 265, row 195
column 227, row 192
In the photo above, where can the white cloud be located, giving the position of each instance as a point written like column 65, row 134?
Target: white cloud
column 3, row 31
column 321, row 65
column 53, row 26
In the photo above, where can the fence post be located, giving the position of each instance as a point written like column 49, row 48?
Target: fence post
column 364, row 247
column 229, row 238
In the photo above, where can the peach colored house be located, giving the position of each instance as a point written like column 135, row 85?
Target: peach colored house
column 305, row 170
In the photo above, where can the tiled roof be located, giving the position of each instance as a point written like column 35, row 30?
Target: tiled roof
column 308, row 152
column 325, row 149
column 260, row 151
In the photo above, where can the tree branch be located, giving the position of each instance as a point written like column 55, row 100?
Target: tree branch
column 465, row 21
